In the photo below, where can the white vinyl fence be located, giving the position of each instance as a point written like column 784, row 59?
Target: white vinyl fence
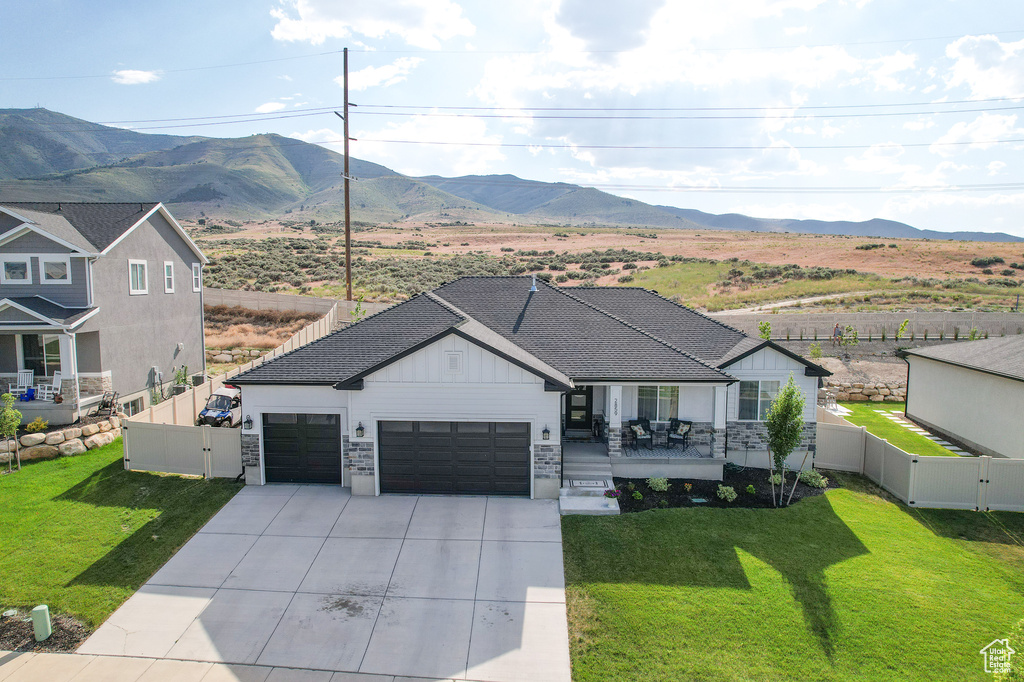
column 164, row 437
column 979, row 483
column 197, row 450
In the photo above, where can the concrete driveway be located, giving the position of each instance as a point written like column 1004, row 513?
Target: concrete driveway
column 309, row 577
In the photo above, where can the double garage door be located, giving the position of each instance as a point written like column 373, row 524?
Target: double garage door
column 454, row 457
column 413, row 457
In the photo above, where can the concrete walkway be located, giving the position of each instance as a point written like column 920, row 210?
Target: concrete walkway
column 290, row 577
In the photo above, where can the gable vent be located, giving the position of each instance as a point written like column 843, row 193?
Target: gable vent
column 453, row 362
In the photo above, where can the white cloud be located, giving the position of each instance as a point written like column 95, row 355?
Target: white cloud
column 979, row 133
column 135, row 77
column 989, row 67
column 385, row 76
column 270, row 107
column 889, row 66
column 796, row 30
column 922, row 123
column 422, row 23
column 996, row 167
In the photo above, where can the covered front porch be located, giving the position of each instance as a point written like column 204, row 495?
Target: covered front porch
column 686, row 437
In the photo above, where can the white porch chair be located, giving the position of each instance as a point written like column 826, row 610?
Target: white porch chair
column 25, row 379
column 49, row 391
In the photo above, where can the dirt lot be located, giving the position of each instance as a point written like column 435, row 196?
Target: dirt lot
column 236, row 327
column 910, row 257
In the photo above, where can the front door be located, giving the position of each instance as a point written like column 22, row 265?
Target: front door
column 579, row 409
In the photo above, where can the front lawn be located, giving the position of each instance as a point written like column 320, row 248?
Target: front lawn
column 867, row 414
column 844, row 586
column 81, row 534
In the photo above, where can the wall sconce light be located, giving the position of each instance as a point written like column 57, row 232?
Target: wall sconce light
column 360, row 430
column 247, row 423
column 546, row 433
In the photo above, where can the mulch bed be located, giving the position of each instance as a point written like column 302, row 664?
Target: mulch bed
column 737, row 477
column 16, row 634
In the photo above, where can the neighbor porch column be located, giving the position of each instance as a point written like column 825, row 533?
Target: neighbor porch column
column 721, row 403
column 69, row 370
column 614, row 421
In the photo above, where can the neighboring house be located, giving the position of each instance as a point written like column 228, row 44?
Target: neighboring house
column 970, row 392
column 107, row 294
column 474, row 387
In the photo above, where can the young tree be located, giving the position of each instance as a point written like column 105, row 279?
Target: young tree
column 764, row 329
column 10, row 418
column 902, row 331
column 785, row 423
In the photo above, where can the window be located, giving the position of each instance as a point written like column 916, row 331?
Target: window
column 755, row 399
column 41, row 353
column 16, row 270
column 137, row 280
column 55, row 269
column 197, row 277
column 168, row 277
column 133, row 408
column 658, row 403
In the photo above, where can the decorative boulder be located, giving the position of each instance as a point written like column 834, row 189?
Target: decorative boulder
column 72, row 433
column 855, row 397
column 98, row 441
column 71, row 447
column 90, row 430
column 116, row 433
column 877, row 398
column 7, row 445
column 55, row 438
column 39, row 452
column 114, row 422
column 222, row 357
column 104, row 425
column 5, row 457
column 30, row 439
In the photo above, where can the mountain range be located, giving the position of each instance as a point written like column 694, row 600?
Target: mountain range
column 51, row 156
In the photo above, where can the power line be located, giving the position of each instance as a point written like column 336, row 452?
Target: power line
column 542, row 145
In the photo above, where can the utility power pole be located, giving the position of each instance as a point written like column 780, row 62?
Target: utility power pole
column 346, row 176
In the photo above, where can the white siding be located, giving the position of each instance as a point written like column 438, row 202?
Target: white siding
column 258, row 400
column 768, row 364
column 980, row 409
column 427, row 366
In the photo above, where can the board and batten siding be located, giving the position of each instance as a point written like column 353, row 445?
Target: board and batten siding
column 770, row 365
column 978, row 409
column 488, row 388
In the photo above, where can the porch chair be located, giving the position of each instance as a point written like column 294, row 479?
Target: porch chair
column 678, row 432
column 26, row 377
column 641, row 429
column 51, row 390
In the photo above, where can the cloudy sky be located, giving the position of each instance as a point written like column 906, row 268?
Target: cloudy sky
column 829, row 109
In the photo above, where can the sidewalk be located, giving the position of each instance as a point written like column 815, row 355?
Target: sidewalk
column 31, row 667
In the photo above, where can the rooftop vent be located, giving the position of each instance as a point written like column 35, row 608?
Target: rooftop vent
column 533, row 287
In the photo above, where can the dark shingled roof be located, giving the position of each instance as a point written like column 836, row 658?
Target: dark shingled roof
column 582, row 334
column 50, row 310
column 1003, row 356
column 344, row 354
column 683, row 327
column 571, row 334
column 100, row 223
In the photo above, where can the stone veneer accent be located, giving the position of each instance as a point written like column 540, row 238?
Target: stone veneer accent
column 754, row 436
column 250, row 450
column 717, row 439
column 614, row 441
column 547, row 460
column 94, row 385
column 358, row 456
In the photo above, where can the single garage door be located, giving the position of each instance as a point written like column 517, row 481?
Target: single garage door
column 454, row 457
column 302, row 448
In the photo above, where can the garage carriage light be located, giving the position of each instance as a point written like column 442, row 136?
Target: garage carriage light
column 546, row 433
column 247, row 423
column 360, row 430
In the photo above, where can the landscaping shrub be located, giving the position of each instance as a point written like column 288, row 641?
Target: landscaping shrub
column 658, row 484
column 751, row 490
column 726, row 492
column 37, row 425
column 775, row 479
column 813, row 478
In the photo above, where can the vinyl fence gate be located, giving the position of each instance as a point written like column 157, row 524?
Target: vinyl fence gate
column 212, row 452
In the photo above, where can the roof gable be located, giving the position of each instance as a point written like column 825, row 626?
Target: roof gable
column 1003, row 356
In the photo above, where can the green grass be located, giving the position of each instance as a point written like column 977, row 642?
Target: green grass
column 81, row 534
column 844, row 586
column 866, row 414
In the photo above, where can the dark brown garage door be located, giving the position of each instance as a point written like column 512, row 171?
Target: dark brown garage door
column 302, row 448
column 455, row 457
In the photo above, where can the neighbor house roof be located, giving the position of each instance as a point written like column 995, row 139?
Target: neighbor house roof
column 45, row 312
column 101, row 224
column 92, row 227
column 1003, row 356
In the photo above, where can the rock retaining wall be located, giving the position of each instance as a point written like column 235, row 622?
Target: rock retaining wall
column 895, row 392
column 63, row 442
column 239, row 356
